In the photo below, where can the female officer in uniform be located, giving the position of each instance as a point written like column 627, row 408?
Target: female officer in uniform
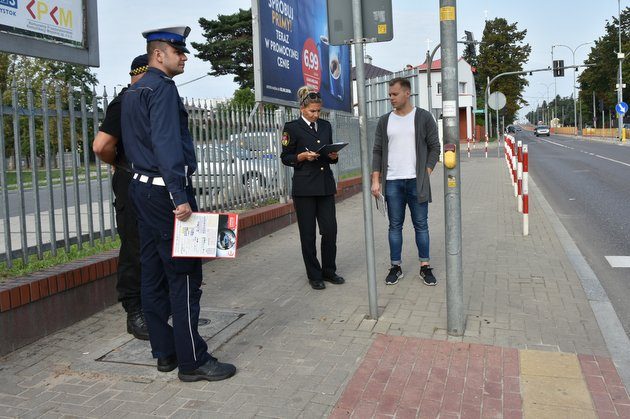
column 313, row 187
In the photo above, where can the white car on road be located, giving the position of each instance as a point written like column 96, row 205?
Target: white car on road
column 542, row 130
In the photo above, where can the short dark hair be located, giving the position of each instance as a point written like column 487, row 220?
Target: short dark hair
column 403, row 81
column 153, row 45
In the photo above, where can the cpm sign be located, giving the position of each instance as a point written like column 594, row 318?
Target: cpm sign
column 62, row 30
column 43, row 10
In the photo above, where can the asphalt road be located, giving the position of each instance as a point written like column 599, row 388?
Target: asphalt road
column 587, row 183
column 44, row 194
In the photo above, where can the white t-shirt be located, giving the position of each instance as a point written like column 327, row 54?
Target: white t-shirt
column 401, row 135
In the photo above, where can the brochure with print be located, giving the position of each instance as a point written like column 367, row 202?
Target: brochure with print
column 206, row 235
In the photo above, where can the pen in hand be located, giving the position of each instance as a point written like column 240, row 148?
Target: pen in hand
column 311, row 154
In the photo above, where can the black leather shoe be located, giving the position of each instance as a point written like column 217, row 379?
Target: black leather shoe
column 335, row 279
column 167, row 364
column 317, row 284
column 137, row 326
column 212, row 370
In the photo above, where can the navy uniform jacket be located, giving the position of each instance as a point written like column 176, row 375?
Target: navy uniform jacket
column 155, row 133
column 310, row 178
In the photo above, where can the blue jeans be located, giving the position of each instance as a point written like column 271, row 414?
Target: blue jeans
column 399, row 193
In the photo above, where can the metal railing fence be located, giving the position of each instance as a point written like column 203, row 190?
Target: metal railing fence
column 55, row 193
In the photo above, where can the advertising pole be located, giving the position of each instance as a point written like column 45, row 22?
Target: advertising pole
column 452, row 188
column 365, row 158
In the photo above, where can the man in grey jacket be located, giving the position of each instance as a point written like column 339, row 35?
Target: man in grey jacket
column 406, row 149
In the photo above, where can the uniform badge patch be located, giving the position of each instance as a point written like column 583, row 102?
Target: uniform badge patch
column 285, row 138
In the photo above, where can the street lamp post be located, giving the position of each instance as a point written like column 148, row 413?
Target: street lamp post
column 574, row 94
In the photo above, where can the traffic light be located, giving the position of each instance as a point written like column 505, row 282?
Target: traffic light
column 558, row 70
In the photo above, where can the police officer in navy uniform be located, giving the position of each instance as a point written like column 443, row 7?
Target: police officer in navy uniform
column 109, row 148
column 313, row 187
column 162, row 156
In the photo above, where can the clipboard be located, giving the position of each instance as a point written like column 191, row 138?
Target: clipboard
column 331, row 148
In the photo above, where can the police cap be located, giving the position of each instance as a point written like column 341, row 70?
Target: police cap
column 139, row 65
column 174, row 36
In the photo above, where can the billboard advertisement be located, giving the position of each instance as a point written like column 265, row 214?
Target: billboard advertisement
column 291, row 49
column 61, row 20
column 61, row 30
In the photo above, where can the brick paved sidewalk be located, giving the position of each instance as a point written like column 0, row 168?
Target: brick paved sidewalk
column 408, row 378
column 300, row 354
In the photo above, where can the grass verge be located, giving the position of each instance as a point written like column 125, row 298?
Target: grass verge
column 34, row 264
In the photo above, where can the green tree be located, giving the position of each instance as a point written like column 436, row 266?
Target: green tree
column 229, row 46
column 40, row 75
column 502, row 50
column 602, row 77
column 243, row 98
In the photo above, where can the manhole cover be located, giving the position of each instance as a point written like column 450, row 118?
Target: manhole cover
column 215, row 326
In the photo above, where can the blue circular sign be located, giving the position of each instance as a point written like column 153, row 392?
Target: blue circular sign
column 621, row 108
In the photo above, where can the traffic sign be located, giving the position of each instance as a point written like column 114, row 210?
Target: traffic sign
column 479, row 111
column 496, row 100
column 621, row 108
column 377, row 21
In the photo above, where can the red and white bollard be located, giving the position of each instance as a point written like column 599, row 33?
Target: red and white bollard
column 519, row 176
column 468, row 146
column 525, row 192
column 514, row 167
column 507, row 146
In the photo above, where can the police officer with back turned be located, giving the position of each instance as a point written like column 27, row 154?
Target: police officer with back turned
column 162, row 156
column 108, row 147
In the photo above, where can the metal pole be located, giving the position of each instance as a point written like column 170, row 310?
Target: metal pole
column 429, row 67
column 594, row 112
column 581, row 120
column 574, row 97
column 555, row 88
column 452, row 188
column 365, row 169
column 620, row 55
column 429, row 99
column 573, row 50
column 498, row 132
column 485, row 106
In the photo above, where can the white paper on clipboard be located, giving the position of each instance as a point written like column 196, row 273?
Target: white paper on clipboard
column 206, row 235
column 381, row 205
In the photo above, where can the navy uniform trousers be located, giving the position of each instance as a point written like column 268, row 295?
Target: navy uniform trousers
column 169, row 286
column 310, row 209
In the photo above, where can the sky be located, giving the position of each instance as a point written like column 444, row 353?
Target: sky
column 416, row 28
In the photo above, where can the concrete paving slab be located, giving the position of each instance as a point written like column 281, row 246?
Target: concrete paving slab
column 211, row 324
